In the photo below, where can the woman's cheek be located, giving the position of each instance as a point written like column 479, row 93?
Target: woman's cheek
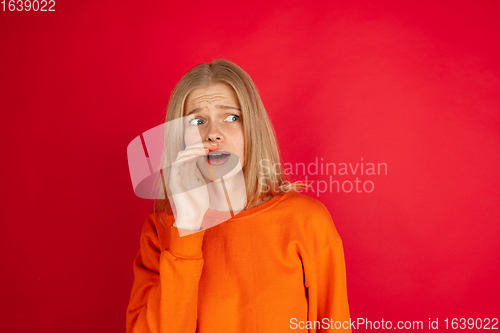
column 192, row 135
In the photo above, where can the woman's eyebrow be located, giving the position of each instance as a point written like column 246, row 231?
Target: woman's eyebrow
column 224, row 107
column 193, row 111
column 219, row 106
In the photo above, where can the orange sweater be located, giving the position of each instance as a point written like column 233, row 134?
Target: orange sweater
column 277, row 267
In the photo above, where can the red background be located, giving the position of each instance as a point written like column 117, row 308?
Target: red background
column 411, row 84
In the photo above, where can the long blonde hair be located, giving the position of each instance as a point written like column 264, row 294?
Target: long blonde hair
column 262, row 155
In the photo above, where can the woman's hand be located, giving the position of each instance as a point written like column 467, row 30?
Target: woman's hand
column 189, row 189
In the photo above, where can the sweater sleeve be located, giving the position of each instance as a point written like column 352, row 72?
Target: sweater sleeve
column 166, row 277
column 326, row 275
column 328, row 292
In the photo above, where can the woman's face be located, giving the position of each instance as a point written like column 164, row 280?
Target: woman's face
column 215, row 112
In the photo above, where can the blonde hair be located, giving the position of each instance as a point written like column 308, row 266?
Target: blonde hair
column 262, row 155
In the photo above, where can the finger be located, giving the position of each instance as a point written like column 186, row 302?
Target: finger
column 195, row 145
column 192, row 151
column 180, row 161
column 193, row 167
column 207, row 144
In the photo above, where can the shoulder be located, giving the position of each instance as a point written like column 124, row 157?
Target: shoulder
column 305, row 205
column 311, row 217
column 156, row 228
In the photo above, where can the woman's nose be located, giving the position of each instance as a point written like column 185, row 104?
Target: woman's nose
column 213, row 142
column 214, row 134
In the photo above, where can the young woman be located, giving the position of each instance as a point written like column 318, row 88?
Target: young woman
column 275, row 264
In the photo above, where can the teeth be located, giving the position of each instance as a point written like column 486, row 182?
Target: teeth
column 217, row 155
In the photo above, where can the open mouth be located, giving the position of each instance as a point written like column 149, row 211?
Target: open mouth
column 217, row 158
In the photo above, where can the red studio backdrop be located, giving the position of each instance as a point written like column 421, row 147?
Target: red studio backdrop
column 412, row 87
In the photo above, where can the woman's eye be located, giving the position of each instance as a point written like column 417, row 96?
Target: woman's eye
column 233, row 117
column 196, row 122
